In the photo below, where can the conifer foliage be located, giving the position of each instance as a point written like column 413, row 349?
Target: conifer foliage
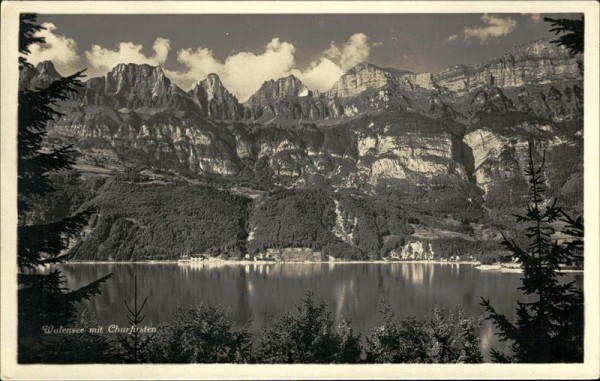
column 549, row 328
column 308, row 335
column 442, row 338
column 572, row 36
column 135, row 345
column 41, row 244
column 43, row 300
column 201, row 334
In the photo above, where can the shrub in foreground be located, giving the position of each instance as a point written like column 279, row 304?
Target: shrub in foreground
column 440, row 338
column 201, row 334
column 308, row 336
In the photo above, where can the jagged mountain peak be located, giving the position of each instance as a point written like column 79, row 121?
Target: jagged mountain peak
column 134, row 66
column 138, row 80
column 132, row 72
column 541, row 48
column 211, row 84
column 369, row 66
column 361, row 77
column 133, row 86
column 289, row 85
column 39, row 76
column 213, row 78
column 365, row 87
column 284, row 87
column 215, row 100
column 47, row 68
column 284, row 99
column 363, row 66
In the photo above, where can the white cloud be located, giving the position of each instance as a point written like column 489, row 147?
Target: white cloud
column 335, row 61
column 451, row 38
column 320, row 75
column 101, row 60
column 62, row 51
column 243, row 73
column 356, row 50
column 199, row 64
column 496, row 27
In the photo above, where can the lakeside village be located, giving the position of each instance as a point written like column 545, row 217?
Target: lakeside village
column 412, row 252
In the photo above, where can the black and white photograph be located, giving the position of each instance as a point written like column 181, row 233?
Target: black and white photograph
column 351, row 188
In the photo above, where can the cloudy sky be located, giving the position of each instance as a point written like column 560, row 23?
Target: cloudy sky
column 246, row 50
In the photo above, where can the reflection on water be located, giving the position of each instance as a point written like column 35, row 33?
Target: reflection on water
column 256, row 292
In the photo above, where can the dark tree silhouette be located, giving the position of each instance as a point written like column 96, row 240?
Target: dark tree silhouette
column 550, row 328
column 439, row 338
column 572, row 35
column 308, row 336
column 574, row 228
column 135, row 345
column 201, row 334
column 27, row 30
column 42, row 298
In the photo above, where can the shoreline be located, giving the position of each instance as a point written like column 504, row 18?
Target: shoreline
column 223, row 262
column 263, row 262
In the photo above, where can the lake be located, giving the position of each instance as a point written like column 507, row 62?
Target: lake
column 258, row 291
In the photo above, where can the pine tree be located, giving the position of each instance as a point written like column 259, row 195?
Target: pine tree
column 441, row 337
column 135, row 344
column 572, row 35
column 550, row 328
column 201, row 334
column 42, row 297
column 308, row 336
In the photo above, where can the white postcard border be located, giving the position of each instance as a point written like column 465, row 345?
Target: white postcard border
column 8, row 133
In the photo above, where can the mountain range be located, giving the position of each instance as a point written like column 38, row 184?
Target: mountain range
column 448, row 147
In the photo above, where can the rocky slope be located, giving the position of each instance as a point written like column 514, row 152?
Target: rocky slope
column 284, row 99
column 39, row 76
column 141, row 88
column 136, row 111
column 538, row 78
column 449, row 147
column 215, row 101
column 539, row 62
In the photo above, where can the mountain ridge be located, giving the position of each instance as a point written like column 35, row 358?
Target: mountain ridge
column 446, row 150
column 215, row 100
column 363, row 88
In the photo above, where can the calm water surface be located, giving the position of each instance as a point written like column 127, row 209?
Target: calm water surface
column 258, row 291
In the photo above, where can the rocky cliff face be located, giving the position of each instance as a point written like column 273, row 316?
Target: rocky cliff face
column 284, row 99
column 39, row 76
column 136, row 87
column 522, row 79
column 366, row 76
column 443, row 149
column 361, row 78
column 538, row 78
column 539, row 62
column 215, row 101
column 375, row 126
column 358, row 154
column 500, row 152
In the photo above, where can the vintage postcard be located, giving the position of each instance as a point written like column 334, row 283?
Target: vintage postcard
column 299, row 190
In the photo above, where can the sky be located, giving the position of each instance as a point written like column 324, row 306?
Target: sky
column 246, row 50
